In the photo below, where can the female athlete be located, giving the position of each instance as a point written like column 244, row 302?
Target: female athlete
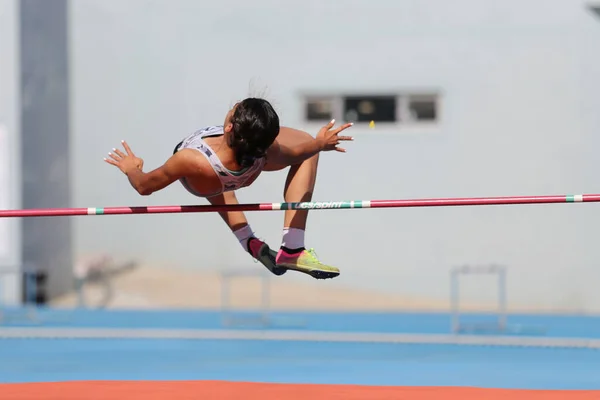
column 216, row 161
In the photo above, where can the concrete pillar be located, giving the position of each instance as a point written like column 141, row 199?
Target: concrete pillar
column 46, row 171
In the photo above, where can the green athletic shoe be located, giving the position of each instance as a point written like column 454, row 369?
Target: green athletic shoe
column 263, row 253
column 307, row 262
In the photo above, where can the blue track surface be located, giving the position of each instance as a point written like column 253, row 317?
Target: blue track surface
column 555, row 326
column 34, row 360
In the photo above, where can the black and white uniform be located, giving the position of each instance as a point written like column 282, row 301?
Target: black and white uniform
column 230, row 180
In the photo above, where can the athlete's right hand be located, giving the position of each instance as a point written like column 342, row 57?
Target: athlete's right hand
column 125, row 161
column 329, row 138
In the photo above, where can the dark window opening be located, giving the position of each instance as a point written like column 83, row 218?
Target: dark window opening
column 423, row 109
column 370, row 108
column 319, row 110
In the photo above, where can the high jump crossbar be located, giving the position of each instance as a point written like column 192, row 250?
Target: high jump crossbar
column 312, row 205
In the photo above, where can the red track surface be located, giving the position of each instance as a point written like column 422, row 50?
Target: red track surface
column 207, row 390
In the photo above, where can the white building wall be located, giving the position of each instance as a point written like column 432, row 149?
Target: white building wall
column 9, row 153
column 519, row 83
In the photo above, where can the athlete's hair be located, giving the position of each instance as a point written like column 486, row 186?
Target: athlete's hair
column 255, row 127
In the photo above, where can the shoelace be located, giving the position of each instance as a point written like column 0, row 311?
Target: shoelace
column 314, row 256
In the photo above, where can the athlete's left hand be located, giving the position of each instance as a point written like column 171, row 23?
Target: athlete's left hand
column 329, row 138
column 124, row 161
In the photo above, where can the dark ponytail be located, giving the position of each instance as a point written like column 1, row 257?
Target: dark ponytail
column 255, row 127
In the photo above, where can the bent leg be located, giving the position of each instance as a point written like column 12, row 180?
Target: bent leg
column 301, row 178
column 237, row 222
column 299, row 187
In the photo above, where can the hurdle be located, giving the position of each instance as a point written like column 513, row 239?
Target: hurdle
column 263, row 317
column 500, row 314
column 501, row 318
column 260, row 318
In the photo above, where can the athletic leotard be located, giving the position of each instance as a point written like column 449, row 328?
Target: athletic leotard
column 230, row 180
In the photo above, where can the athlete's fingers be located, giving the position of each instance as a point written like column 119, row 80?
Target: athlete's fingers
column 344, row 127
column 112, row 162
column 345, row 138
column 330, row 124
column 340, row 149
column 127, row 148
column 114, row 157
column 119, row 152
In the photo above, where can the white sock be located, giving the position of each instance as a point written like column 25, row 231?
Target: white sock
column 293, row 238
column 243, row 234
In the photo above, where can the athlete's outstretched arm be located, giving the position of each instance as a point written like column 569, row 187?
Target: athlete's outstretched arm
column 327, row 139
column 235, row 220
column 145, row 183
